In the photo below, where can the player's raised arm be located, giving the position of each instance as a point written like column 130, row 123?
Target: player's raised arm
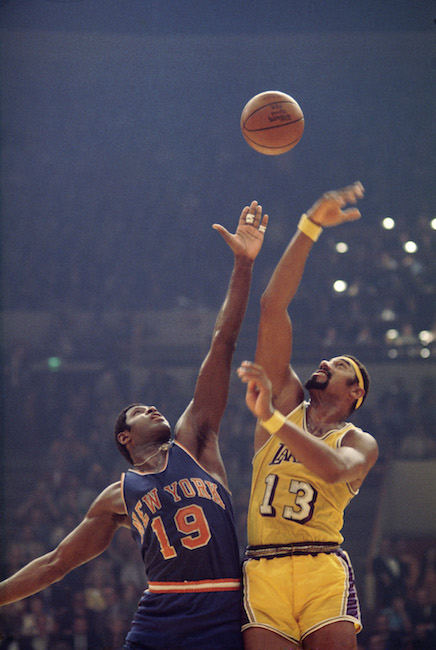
column 203, row 415
column 91, row 537
column 274, row 344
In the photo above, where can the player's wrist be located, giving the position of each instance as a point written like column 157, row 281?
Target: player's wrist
column 309, row 227
column 274, row 423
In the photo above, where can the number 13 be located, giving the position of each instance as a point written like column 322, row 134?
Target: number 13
column 304, row 501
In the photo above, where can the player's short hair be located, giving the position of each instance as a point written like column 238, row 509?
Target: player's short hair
column 120, row 425
column 365, row 376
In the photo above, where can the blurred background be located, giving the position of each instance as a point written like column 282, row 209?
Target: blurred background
column 120, row 147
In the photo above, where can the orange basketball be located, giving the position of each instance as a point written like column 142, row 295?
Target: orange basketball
column 272, row 122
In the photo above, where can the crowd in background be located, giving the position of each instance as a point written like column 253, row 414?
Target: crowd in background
column 108, row 204
column 387, row 307
column 59, row 418
column 61, row 454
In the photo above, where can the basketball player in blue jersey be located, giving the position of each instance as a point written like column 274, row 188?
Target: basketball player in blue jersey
column 175, row 499
column 309, row 462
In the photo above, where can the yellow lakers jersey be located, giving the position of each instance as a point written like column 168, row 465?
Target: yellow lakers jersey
column 288, row 502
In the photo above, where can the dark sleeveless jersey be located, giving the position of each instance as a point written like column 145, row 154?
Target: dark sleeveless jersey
column 182, row 520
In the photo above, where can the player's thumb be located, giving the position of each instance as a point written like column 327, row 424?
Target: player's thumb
column 222, row 231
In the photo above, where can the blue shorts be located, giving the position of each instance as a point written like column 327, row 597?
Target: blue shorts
column 196, row 620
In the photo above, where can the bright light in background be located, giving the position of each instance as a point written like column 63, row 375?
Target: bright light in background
column 388, row 223
column 341, row 247
column 410, row 247
column 425, row 353
column 391, row 335
column 426, row 337
column 54, row 363
column 388, row 315
column 340, row 286
column 433, row 223
column 393, row 354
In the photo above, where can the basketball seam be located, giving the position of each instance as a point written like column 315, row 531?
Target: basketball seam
column 274, row 126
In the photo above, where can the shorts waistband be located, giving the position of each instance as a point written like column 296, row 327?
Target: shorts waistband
column 195, row 586
column 284, row 550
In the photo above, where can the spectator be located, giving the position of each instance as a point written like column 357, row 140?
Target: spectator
column 389, row 572
column 423, row 618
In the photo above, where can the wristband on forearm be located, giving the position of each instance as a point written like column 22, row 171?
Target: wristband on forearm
column 274, row 423
column 312, row 230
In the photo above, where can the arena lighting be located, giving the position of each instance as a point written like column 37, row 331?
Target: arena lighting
column 388, row 315
column 54, row 363
column 340, row 286
column 426, row 337
column 392, row 334
column 433, row 223
column 410, row 246
column 341, row 247
column 388, row 223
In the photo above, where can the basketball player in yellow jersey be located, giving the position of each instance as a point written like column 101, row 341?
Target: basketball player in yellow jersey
column 309, row 462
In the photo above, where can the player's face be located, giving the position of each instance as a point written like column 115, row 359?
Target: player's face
column 145, row 421
column 338, row 370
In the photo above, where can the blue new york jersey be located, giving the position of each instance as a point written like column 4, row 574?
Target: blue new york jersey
column 182, row 520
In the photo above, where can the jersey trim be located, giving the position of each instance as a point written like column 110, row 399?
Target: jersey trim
column 123, row 476
column 189, row 587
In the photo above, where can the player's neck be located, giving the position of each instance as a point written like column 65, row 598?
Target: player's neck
column 320, row 419
column 152, row 460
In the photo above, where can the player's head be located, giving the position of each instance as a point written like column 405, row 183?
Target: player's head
column 345, row 370
column 120, row 426
column 361, row 378
column 138, row 424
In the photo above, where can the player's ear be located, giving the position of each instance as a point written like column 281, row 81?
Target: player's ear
column 123, row 437
column 357, row 392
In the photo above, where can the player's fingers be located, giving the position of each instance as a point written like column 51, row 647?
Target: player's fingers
column 246, row 365
column 351, row 214
column 244, row 213
column 264, row 222
column 258, row 215
column 353, row 192
column 248, row 214
column 250, row 370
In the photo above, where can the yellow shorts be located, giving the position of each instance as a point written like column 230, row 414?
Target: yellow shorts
column 294, row 596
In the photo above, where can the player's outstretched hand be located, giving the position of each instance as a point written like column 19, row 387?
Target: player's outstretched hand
column 248, row 238
column 330, row 209
column 259, row 389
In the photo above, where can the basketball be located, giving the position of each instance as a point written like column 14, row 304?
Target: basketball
column 272, row 122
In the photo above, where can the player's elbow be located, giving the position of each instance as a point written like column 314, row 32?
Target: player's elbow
column 268, row 302
column 56, row 566
column 338, row 471
column 224, row 342
column 332, row 474
column 344, row 472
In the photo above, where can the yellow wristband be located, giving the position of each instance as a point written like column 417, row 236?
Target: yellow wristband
column 275, row 422
column 309, row 228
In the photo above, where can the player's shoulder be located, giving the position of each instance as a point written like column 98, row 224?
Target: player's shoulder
column 109, row 501
column 357, row 437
